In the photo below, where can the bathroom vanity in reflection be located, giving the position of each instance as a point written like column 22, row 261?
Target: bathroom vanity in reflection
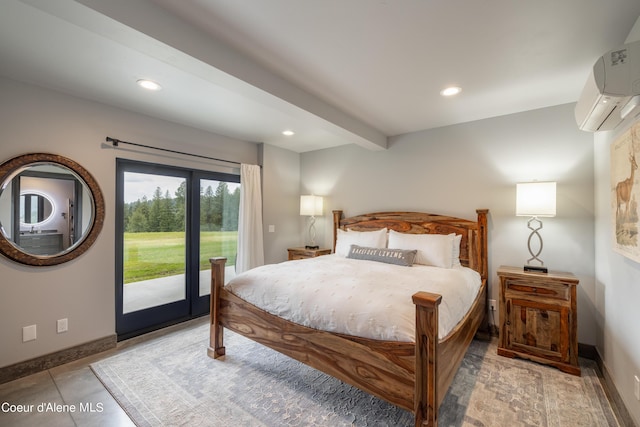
column 41, row 243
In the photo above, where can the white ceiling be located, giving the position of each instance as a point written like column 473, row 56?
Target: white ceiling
column 334, row 71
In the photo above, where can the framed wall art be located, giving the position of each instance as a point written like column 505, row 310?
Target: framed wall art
column 625, row 192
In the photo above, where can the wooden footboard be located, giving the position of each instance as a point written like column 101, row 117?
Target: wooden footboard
column 414, row 376
column 385, row 369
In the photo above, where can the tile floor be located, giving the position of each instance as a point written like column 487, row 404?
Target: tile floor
column 70, row 394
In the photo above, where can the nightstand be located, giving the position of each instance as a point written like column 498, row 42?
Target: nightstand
column 538, row 317
column 302, row 253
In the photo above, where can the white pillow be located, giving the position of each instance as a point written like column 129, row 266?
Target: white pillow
column 433, row 249
column 456, row 250
column 371, row 239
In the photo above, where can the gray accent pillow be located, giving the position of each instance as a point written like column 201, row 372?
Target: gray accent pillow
column 404, row 257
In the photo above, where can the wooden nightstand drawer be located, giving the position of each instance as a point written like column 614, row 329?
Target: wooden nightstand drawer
column 303, row 253
column 519, row 287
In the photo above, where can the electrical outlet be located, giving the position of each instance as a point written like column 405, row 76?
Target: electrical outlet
column 636, row 387
column 63, row 325
column 492, row 305
column 29, row 333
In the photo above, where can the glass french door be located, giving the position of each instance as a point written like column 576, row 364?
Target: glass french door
column 169, row 221
column 218, row 224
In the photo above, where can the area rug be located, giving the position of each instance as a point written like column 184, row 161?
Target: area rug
column 171, row 381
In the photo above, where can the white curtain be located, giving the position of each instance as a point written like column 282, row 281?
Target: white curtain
column 250, row 246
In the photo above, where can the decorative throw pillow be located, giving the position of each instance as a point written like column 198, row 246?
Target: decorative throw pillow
column 402, row 257
column 372, row 239
column 433, row 249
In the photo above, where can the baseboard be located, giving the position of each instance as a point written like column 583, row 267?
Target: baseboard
column 48, row 361
column 587, row 351
column 624, row 417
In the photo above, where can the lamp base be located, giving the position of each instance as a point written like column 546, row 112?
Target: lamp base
column 312, row 247
column 536, row 269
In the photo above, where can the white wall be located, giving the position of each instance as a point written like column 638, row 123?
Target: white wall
column 281, row 200
column 617, row 286
column 457, row 169
column 38, row 120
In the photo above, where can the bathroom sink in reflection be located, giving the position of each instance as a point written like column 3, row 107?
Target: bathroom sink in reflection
column 38, row 232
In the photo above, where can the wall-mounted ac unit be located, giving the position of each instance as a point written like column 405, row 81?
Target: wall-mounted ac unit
column 612, row 91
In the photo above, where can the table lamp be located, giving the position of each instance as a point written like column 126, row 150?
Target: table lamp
column 535, row 199
column 311, row 206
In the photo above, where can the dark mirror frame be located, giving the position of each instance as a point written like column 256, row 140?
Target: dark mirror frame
column 13, row 252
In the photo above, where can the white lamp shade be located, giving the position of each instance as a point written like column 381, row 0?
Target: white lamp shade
column 536, row 199
column 310, row 205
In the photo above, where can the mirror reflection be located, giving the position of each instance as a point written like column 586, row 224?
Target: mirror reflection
column 45, row 209
column 35, row 208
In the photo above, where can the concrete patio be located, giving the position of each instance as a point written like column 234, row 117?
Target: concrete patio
column 154, row 292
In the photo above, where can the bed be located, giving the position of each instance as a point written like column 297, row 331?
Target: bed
column 414, row 375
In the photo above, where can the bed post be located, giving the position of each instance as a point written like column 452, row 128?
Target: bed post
column 216, row 345
column 426, row 382
column 337, row 216
column 484, row 331
column 482, row 243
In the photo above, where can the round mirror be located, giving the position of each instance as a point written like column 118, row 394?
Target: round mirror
column 51, row 209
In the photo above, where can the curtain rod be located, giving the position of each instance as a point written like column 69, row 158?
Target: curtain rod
column 115, row 142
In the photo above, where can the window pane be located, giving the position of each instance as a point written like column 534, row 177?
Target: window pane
column 219, row 205
column 154, row 252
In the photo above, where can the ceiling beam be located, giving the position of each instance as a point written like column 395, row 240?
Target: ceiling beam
column 157, row 23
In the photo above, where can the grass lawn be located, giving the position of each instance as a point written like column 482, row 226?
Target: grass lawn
column 153, row 255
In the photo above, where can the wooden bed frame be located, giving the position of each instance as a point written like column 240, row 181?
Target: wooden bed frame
column 414, row 376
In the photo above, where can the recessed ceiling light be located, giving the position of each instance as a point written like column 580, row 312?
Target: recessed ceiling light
column 148, row 84
column 288, row 132
column 450, row 91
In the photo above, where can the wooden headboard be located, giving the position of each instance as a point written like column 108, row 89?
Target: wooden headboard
column 473, row 247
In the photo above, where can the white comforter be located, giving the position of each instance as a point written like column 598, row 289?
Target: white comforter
column 355, row 297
